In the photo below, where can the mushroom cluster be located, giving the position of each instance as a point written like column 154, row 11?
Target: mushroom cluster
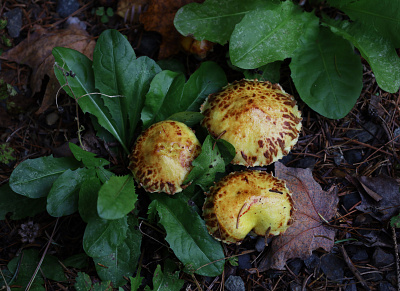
column 263, row 123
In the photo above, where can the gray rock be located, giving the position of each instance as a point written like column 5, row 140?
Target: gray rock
column 333, row 267
column 260, row 244
column 67, row 7
column 386, row 286
column 294, row 286
column 295, row 266
column 312, row 262
column 360, row 255
column 234, row 283
column 351, row 286
column 353, row 156
column 244, row 262
column 14, row 22
column 349, row 200
column 380, row 258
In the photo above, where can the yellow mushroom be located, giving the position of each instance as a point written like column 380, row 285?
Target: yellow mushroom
column 162, row 156
column 247, row 201
column 258, row 118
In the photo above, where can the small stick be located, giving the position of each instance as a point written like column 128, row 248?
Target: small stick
column 354, row 269
column 396, row 251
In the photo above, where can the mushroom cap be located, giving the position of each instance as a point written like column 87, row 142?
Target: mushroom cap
column 162, row 156
column 258, row 118
column 245, row 201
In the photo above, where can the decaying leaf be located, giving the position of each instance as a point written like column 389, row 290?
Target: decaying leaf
column 387, row 188
column 160, row 17
column 313, row 208
column 35, row 51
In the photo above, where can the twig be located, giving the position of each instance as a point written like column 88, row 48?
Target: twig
column 354, row 269
column 396, row 251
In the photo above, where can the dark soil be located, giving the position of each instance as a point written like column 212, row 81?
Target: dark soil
column 364, row 143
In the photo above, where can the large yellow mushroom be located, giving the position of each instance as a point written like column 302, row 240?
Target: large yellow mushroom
column 258, row 118
column 162, row 156
column 247, row 201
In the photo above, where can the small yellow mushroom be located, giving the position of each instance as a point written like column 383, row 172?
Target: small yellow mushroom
column 258, row 118
column 247, row 201
column 162, row 156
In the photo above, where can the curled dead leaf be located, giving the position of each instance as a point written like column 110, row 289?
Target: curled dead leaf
column 309, row 231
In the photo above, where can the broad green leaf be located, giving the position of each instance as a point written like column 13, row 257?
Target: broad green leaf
column 188, row 237
column 174, row 65
column 87, row 202
column 34, row 178
column 19, row 205
column 165, row 83
column 381, row 18
column 215, row 20
column 78, row 261
column 102, row 236
column 209, row 163
column 166, row 281
column 83, row 282
column 63, row 197
column 83, row 87
column 265, row 36
column 377, row 50
column 327, row 74
column 187, row 117
column 87, row 158
column 123, row 259
column 52, row 269
column 169, row 94
column 269, row 72
column 117, row 197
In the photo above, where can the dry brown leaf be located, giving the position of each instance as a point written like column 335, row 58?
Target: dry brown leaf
column 160, row 17
column 35, row 51
column 309, row 231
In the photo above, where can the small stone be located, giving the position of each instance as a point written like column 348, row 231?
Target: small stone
column 353, row 156
column 304, row 163
column 234, row 283
column 380, row 258
column 295, row 266
column 351, row 286
column 360, row 255
column 349, row 200
column 295, row 286
column 386, row 286
column 333, row 267
column 260, row 244
column 370, row 274
column 14, row 22
column 364, row 134
column 67, row 7
column 312, row 262
column 244, row 262
column 338, row 159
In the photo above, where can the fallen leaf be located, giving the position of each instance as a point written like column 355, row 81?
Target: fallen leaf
column 309, row 231
column 387, row 188
column 160, row 17
column 35, row 51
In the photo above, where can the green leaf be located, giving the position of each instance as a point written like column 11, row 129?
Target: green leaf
column 265, row 36
column 52, row 269
column 78, row 261
column 118, row 72
column 327, row 74
column 269, row 72
column 34, row 178
column 87, row 202
column 25, row 264
column 378, row 51
column 166, row 281
column 188, row 237
column 82, row 87
column 395, row 221
column 136, row 282
column 123, row 259
column 83, row 282
column 87, row 158
column 20, row 206
column 63, row 197
column 381, row 19
column 169, row 94
column 215, row 20
column 210, row 162
column 187, row 117
column 117, row 197
column 174, row 65
column 102, row 236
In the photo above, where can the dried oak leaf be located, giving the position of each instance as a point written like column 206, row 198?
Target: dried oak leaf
column 35, row 51
column 385, row 187
column 160, row 17
column 308, row 231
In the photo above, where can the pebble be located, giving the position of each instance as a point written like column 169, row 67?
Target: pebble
column 386, row 286
column 363, row 135
column 349, row 200
column 351, row 286
column 260, row 244
column 353, row 156
column 307, row 162
column 51, row 118
column 380, row 258
column 295, row 286
column 295, row 266
column 66, row 7
column 312, row 262
column 333, row 267
column 356, row 253
column 234, row 283
column 396, row 132
column 14, row 22
column 244, row 262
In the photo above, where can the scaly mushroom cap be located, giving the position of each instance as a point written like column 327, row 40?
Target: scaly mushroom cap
column 162, row 156
column 258, row 118
column 245, row 201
